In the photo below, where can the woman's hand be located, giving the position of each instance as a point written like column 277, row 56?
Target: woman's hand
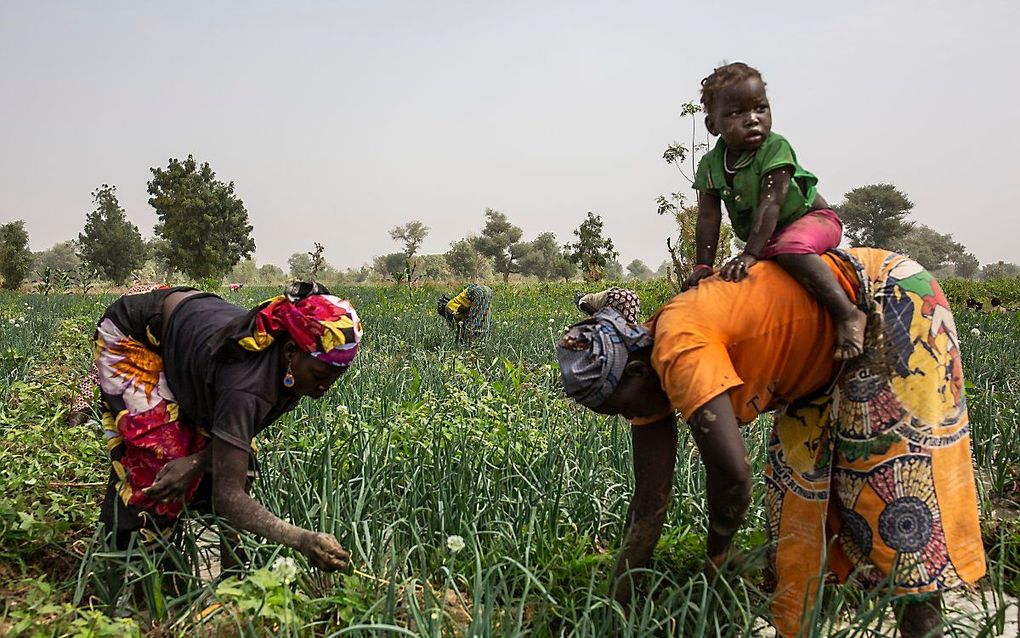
column 174, row 478
column 736, row 268
column 731, row 560
column 229, row 468
column 713, row 566
column 324, row 551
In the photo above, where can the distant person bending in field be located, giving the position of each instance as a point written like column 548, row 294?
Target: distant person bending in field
column 624, row 301
column 772, row 201
column 869, row 464
column 467, row 314
column 187, row 380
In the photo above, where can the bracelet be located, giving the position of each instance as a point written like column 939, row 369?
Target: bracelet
column 698, row 267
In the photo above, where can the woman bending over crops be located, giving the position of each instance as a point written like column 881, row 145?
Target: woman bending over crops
column 188, row 379
column 869, row 464
column 467, row 314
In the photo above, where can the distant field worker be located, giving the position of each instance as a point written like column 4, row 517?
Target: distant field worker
column 467, row 313
column 188, row 379
column 869, row 463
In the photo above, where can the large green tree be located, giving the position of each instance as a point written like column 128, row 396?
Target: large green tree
column 1000, row 270
column 638, row 270
column 464, row 260
column 271, row 274
column 967, row 266
column 613, row 270
column 110, row 242
column 159, row 252
column 310, row 265
column 875, row 215
column 388, row 265
column 501, row 241
column 205, row 224
column 934, row 250
column 543, row 258
column 591, row 252
column 412, row 234
column 15, row 256
column 245, row 272
column 433, row 267
column 61, row 256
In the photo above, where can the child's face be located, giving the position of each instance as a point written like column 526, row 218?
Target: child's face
column 741, row 115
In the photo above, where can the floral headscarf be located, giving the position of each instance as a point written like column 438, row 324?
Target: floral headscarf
column 593, row 353
column 321, row 324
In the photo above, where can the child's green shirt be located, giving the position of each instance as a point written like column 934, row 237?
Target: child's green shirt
column 742, row 198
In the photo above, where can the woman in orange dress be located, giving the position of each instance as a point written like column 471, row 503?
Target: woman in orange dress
column 869, row 464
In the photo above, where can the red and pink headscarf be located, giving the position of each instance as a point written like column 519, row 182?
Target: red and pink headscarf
column 321, row 324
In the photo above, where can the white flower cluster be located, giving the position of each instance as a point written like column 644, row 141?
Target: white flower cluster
column 455, row 543
column 285, row 569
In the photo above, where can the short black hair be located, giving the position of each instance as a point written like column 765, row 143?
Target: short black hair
column 723, row 76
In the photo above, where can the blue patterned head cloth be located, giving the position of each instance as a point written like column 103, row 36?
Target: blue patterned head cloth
column 593, row 353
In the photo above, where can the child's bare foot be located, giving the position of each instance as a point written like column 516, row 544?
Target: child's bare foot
column 850, row 336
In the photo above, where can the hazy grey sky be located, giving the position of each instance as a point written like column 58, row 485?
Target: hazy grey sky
column 339, row 120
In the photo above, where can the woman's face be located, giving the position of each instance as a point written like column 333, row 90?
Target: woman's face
column 639, row 393
column 312, row 377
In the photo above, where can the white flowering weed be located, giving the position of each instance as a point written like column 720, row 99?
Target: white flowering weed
column 285, row 569
column 455, row 543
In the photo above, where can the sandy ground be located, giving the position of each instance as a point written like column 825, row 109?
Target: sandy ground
column 966, row 610
column 971, row 604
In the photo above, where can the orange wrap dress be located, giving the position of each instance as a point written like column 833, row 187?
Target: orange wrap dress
column 869, row 466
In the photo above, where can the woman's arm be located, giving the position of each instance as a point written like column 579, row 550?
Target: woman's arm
column 230, row 468
column 654, row 458
column 727, row 472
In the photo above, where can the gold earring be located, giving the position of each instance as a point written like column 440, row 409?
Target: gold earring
column 288, row 379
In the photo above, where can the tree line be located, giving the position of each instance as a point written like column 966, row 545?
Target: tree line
column 203, row 232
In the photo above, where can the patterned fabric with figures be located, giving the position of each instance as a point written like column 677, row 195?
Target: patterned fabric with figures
column 874, row 476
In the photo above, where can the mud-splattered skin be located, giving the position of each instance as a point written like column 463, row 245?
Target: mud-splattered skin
column 728, row 472
column 229, row 467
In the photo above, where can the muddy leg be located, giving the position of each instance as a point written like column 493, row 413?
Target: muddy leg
column 923, row 619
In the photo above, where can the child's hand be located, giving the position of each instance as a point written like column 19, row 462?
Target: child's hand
column 700, row 272
column 736, row 268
